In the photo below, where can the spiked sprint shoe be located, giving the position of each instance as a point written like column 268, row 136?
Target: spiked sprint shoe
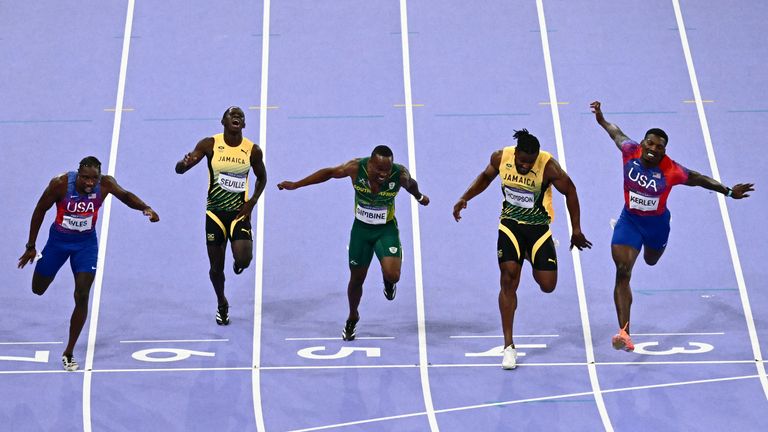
column 390, row 290
column 69, row 363
column 348, row 334
column 222, row 315
column 622, row 341
column 510, row 358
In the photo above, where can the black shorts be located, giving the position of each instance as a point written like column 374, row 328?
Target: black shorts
column 221, row 225
column 520, row 241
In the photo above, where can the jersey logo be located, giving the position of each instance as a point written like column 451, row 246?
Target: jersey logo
column 391, row 185
column 221, row 148
column 244, row 151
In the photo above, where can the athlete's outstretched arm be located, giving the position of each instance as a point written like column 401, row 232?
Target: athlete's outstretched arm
column 555, row 174
column 109, row 186
column 192, row 158
column 260, row 171
column 409, row 183
column 348, row 169
column 55, row 190
column 738, row 191
column 615, row 133
column 481, row 183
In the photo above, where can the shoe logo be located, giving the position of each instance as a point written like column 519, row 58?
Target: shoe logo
column 393, row 250
column 551, row 260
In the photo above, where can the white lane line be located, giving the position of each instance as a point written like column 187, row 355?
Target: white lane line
column 106, row 211
column 574, row 252
column 336, row 338
column 31, row 343
column 721, row 201
column 173, row 340
column 391, row 366
column 521, row 401
column 420, row 314
column 501, row 336
column 259, row 282
column 679, row 334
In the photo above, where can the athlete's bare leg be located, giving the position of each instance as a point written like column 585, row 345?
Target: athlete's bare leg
column 357, row 276
column 242, row 252
column 83, row 282
column 510, row 279
column 40, row 283
column 624, row 259
column 216, row 255
column 547, row 279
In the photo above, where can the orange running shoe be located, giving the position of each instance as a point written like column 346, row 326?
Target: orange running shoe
column 622, row 340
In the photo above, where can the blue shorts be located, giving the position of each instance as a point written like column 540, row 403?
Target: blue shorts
column 637, row 231
column 82, row 250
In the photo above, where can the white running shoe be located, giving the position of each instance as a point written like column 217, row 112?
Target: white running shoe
column 69, row 363
column 510, row 358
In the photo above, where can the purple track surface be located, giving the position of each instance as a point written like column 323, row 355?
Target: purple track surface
column 152, row 357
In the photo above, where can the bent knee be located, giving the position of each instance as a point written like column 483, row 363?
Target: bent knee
column 392, row 276
column 548, row 287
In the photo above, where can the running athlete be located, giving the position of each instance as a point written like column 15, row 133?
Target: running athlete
column 230, row 156
column 376, row 180
column 78, row 196
column 526, row 176
column 649, row 175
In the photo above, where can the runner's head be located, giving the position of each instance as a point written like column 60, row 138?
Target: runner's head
column 380, row 163
column 526, row 151
column 233, row 119
column 654, row 146
column 88, row 174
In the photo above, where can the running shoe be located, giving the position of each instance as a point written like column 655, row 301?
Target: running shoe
column 69, row 363
column 510, row 358
column 390, row 290
column 348, row 334
column 237, row 269
column 622, row 341
column 222, row 315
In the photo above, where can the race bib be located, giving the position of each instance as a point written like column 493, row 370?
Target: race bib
column 371, row 215
column 518, row 198
column 642, row 202
column 77, row 223
column 232, row 182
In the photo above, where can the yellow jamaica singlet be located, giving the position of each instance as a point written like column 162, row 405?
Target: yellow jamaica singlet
column 228, row 169
column 527, row 199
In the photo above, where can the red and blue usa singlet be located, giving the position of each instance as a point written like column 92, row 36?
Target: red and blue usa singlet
column 646, row 189
column 76, row 213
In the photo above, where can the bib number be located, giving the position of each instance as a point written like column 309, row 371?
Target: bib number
column 371, row 215
column 77, row 223
column 232, row 182
column 518, row 198
column 642, row 202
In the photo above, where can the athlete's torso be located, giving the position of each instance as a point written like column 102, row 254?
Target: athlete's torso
column 527, row 198
column 378, row 208
column 228, row 169
column 76, row 213
column 646, row 188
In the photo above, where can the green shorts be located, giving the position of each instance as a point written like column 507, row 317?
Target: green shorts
column 365, row 239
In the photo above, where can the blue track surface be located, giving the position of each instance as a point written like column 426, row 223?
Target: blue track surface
column 336, row 89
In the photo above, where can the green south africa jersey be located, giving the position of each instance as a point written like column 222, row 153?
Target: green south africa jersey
column 228, row 170
column 376, row 209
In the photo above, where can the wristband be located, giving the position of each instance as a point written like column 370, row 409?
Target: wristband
column 30, row 246
column 421, row 198
column 729, row 193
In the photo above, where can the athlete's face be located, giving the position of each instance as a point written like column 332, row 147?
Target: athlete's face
column 87, row 178
column 234, row 119
column 654, row 148
column 379, row 168
column 524, row 161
